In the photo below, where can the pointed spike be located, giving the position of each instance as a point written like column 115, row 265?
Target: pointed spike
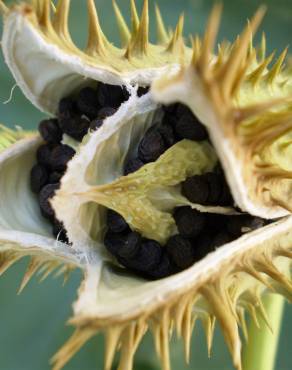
column 256, row 75
column 196, row 43
column 239, row 53
column 165, row 358
column 127, row 348
column 61, row 19
column 7, row 262
column 176, row 40
column 162, row 36
column 187, row 330
column 210, row 37
column 3, row 8
column 277, row 66
column 112, row 337
column 97, row 41
column 45, row 18
column 134, row 18
column 33, row 266
column 263, row 314
column 241, row 316
column 263, row 47
column 125, row 34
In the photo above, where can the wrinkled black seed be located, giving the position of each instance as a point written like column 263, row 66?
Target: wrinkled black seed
column 203, row 245
column 115, row 222
column 96, row 123
column 60, row 156
column 188, row 127
column 38, row 177
column 59, row 232
column 44, row 154
column 55, row 177
column 221, row 239
column 113, row 242
column 142, row 90
column 170, row 109
column 215, row 187
column 148, row 258
column 168, row 135
column 45, row 195
column 87, row 102
column 215, row 223
column 67, row 108
column 180, row 251
column 151, row 146
column 75, row 126
column 189, row 222
column 131, row 246
column 111, row 95
column 50, row 131
column 196, row 189
column 164, row 269
column 238, row 225
column 106, row 112
column 133, row 165
column 226, row 198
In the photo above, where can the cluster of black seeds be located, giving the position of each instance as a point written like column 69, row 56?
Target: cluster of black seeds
column 198, row 234
column 76, row 115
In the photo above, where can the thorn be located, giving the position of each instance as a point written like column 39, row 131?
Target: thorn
column 125, row 34
column 256, row 75
column 45, row 18
column 33, row 266
column 263, row 47
column 187, row 329
column 239, row 53
column 5, row 263
column 176, row 41
column 196, row 44
column 134, row 18
column 210, row 37
column 112, row 338
column 277, row 66
column 61, row 20
column 97, row 41
column 3, row 8
column 162, row 36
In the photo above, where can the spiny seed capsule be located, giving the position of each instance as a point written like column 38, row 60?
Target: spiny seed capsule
column 87, row 102
column 164, row 269
column 95, row 124
column 75, row 126
column 38, row 177
column 187, row 126
column 115, row 222
column 151, row 146
column 189, row 222
column 60, row 156
column 196, row 189
column 133, row 165
column 131, row 247
column 105, row 112
column 59, row 232
column 50, row 131
column 44, row 154
column 180, row 250
column 45, row 195
column 111, row 95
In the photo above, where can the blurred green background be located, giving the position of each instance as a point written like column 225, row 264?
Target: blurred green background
column 32, row 325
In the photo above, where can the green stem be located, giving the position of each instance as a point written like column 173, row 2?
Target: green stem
column 260, row 351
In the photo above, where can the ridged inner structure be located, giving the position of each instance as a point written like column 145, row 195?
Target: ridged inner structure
column 35, row 32
column 246, row 107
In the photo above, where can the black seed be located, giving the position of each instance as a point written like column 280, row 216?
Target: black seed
column 38, row 178
column 151, row 146
column 45, row 195
column 180, row 251
column 115, row 222
column 164, row 269
column 133, row 165
column 188, row 127
column 170, row 109
column 203, row 245
column 238, row 225
column 226, row 198
column 67, row 108
column 44, row 154
column 131, row 247
column 189, row 222
column 196, row 189
column 168, row 134
column 111, row 95
column 221, row 239
column 148, row 257
column 87, row 102
column 75, row 126
column 95, row 124
column 215, row 187
column 105, row 112
column 142, row 90
column 55, row 177
column 215, row 223
column 59, row 232
column 114, row 241
column 60, row 156
column 50, row 131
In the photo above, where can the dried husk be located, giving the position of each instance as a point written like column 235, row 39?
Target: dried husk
column 226, row 283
